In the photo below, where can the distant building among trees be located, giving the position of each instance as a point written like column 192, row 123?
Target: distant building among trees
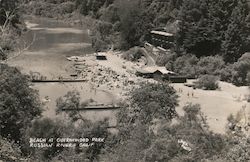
column 162, row 39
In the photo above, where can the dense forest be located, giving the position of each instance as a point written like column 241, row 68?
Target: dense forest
column 212, row 39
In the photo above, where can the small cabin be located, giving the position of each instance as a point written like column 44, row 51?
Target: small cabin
column 160, row 74
column 101, row 57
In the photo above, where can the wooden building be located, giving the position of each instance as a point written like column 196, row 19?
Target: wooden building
column 162, row 39
column 158, row 73
column 161, row 74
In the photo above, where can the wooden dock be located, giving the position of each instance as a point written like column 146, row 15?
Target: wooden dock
column 94, row 108
column 58, row 80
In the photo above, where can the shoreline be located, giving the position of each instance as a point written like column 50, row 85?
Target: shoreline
column 73, row 21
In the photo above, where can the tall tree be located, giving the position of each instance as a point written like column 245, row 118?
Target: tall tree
column 154, row 101
column 8, row 7
column 19, row 104
column 135, row 22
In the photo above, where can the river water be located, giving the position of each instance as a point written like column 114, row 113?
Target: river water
column 50, row 42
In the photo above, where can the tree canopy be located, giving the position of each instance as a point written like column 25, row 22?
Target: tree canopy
column 19, row 104
column 209, row 27
column 154, row 101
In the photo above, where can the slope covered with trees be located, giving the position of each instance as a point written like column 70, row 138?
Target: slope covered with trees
column 209, row 28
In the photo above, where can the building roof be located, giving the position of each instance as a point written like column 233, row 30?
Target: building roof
column 153, row 69
column 161, row 33
column 142, row 71
column 162, row 49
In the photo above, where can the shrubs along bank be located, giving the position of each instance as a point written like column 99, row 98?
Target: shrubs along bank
column 133, row 54
column 207, row 82
column 52, row 9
